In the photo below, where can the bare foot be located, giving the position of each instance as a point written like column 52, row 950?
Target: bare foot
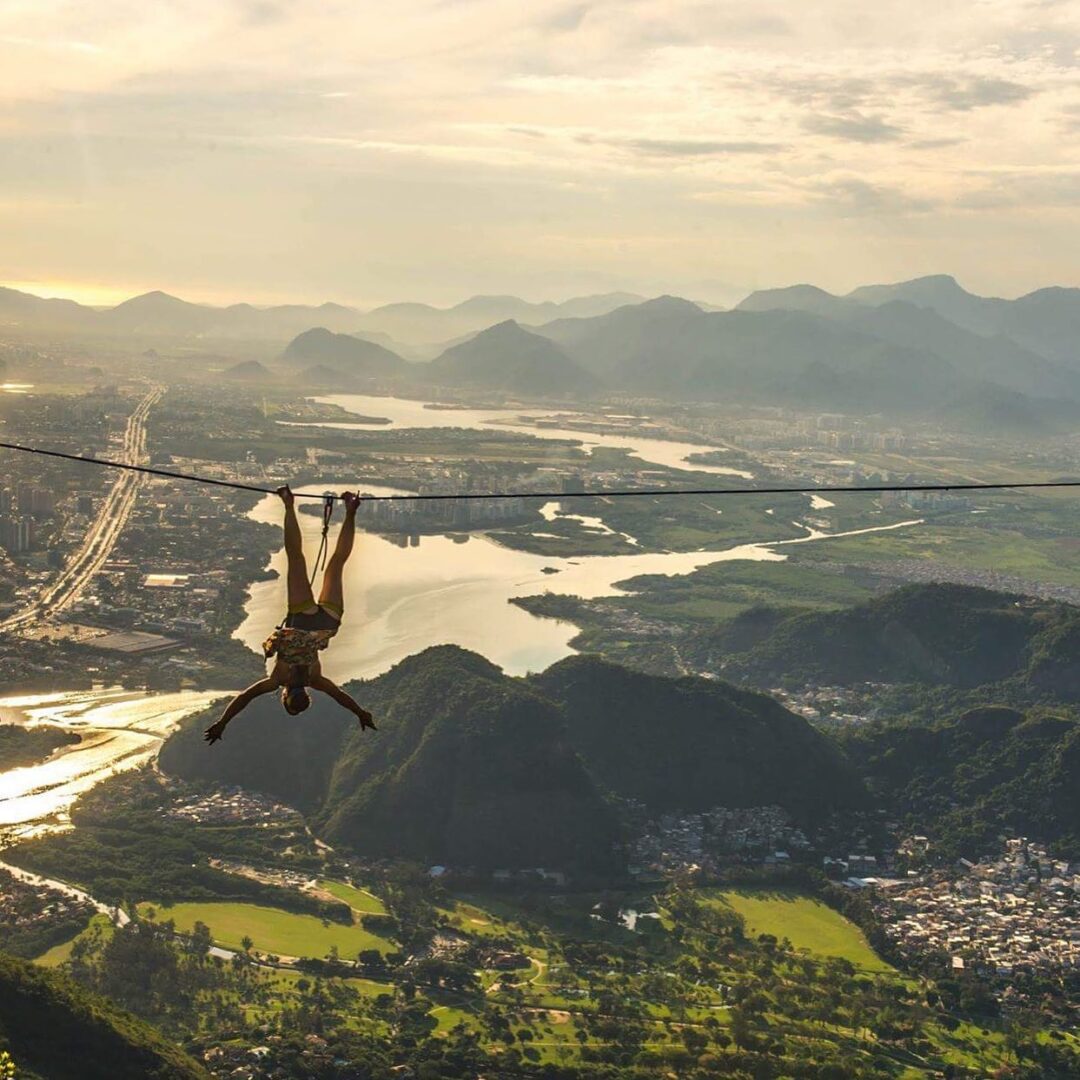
column 351, row 500
column 284, row 493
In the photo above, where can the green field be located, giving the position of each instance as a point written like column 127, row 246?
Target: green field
column 60, row 954
column 474, row 919
column 807, row 923
column 358, row 899
column 273, row 931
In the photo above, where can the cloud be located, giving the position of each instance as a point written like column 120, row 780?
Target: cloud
column 683, row 148
column 1019, row 189
column 854, row 197
column 632, row 120
column 567, row 17
column 50, row 44
column 854, row 127
column 940, row 143
column 963, row 96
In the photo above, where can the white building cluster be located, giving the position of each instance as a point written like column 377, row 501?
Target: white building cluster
column 1020, row 913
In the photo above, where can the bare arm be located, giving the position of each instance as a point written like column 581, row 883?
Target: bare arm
column 238, row 703
column 321, row 682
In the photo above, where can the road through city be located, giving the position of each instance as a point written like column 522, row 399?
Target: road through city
column 103, row 533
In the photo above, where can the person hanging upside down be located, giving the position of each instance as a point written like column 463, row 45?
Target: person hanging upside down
column 307, row 629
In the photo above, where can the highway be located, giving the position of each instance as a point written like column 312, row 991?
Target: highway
column 97, row 545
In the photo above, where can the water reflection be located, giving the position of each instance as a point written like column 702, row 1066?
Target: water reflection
column 455, row 589
column 119, row 729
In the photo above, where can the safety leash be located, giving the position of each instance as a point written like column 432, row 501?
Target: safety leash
column 327, row 514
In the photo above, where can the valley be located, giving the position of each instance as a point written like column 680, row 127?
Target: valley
column 587, row 834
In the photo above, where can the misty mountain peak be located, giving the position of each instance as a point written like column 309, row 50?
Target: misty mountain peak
column 669, row 305
column 343, row 353
column 506, row 356
column 802, row 297
column 155, row 299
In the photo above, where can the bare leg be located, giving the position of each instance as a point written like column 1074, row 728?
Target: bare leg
column 300, row 597
column 333, row 590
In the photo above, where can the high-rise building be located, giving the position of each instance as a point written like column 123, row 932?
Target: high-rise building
column 16, row 534
column 33, row 500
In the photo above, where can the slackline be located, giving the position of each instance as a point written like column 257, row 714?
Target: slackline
column 618, row 493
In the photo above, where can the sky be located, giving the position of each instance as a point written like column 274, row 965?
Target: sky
column 433, row 149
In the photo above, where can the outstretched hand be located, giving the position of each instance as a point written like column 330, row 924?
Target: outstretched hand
column 284, row 493
column 214, row 732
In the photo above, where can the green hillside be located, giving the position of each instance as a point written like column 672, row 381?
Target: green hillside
column 951, row 635
column 472, row 767
column 691, row 744
column 57, row 1031
column 969, row 778
column 25, row 746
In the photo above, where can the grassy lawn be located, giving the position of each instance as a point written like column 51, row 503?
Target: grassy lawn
column 358, row 899
column 60, row 954
column 273, row 931
column 981, row 547
column 805, row 922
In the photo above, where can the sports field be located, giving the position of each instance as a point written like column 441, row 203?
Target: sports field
column 272, row 930
column 806, row 922
column 358, row 899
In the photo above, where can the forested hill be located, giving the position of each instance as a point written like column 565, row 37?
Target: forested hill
column 473, row 767
column 689, row 744
column 950, row 635
column 55, row 1030
column 970, row 778
column 470, row 767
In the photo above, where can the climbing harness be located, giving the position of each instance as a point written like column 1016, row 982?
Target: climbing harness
column 296, row 647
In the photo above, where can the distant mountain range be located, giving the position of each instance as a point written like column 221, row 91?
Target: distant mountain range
column 802, row 346
column 420, row 323
column 925, row 348
column 473, row 767
column 159, row 315
column 505, row 357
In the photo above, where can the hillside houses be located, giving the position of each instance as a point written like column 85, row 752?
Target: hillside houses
column 1020, row 913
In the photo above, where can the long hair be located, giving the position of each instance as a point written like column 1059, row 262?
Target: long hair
column 295, row 699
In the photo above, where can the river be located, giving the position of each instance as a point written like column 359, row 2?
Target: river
column 405, row 413
column 119, row 729
column 455, row 589
column 400, row 599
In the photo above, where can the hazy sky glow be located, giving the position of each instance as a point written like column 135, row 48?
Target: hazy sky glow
column 362, row 152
